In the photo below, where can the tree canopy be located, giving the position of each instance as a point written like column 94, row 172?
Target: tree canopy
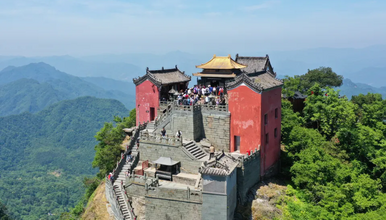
column 324, row 76
column 335, row 151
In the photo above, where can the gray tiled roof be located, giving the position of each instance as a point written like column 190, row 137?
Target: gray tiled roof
column 267, row 80
column 254, row 64
column 163, row 76
column 223, row 165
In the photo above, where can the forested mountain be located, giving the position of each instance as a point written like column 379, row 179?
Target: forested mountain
column 38, row 85
column 44, row 156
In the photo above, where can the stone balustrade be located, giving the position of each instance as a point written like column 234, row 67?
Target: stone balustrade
column 158, row 138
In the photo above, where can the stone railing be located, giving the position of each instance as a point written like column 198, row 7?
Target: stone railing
column 158, row 138
column 218, row 108
column 163, row 117
column 252, row 155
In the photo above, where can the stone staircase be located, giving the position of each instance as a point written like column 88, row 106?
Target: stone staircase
column 120, row 191
column 150, row 127
column 194, row 150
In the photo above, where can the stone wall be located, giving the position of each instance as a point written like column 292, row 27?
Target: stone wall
column 248, row 175
column 164, row 203
column 217, row 129
column 164, row 209
column 197, row 123
column 182, row 120
column 231, row 194
column 219, row 196
column 213, row 206
column 152, row 151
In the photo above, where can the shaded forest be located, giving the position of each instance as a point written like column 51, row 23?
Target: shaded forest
column 45, row 157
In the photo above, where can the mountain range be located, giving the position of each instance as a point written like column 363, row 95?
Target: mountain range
column 35, row 86
column 365, row 65
column 45, row 156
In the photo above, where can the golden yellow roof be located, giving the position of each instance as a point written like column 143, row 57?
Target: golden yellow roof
column 221, row 63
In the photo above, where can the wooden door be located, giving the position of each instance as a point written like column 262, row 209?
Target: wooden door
column 152, row 114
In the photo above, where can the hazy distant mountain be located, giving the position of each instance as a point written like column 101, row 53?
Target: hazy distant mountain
column 78, row 67
column 112, row 84
column 349, row 89
column 357, row 64
column 361, row 65
column 38, row 85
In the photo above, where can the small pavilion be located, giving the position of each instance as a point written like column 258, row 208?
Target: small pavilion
column 166, row 168
column 218, row 71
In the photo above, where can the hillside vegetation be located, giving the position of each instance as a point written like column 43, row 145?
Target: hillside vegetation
column 335, row 155
column 35, row 86
column 45, row 156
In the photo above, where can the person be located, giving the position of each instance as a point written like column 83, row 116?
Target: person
column 211, row 152
column 178, row 134
column 214, row 90
column 207, row 99
column 163, row 132
column 179, row 98
column 210, row 89
column 203, row 90
column 112, row 178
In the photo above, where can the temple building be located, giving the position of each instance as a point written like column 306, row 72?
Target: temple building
column 177, row 175
column 154, row 87
column 218, row 71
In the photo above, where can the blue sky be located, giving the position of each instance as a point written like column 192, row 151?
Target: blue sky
column 85, row 27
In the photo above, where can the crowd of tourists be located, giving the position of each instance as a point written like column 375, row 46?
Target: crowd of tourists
column 202, row 95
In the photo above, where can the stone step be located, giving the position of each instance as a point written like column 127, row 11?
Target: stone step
column 194, row 150
column 201, row 154
column 190, row 146
column 200, row 157
column 188, row 143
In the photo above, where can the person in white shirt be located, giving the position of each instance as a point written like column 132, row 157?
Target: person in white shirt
column 207, row 99
column 178, row 134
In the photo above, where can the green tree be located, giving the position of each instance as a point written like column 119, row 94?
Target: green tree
column 324, row 76
column 327, row 112
column 4, row 213
column 109, row 148
column 289, row 120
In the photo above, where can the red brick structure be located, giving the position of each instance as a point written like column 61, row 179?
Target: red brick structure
column 255, row 107
column 154, row 87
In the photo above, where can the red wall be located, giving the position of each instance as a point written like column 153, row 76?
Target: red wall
column 245, row 109
column 146, row 96
column 270, row 153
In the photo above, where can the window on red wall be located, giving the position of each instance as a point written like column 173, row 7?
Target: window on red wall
column 265, row 119
column 276, row 112
column 266, row 138
column 275, row 132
